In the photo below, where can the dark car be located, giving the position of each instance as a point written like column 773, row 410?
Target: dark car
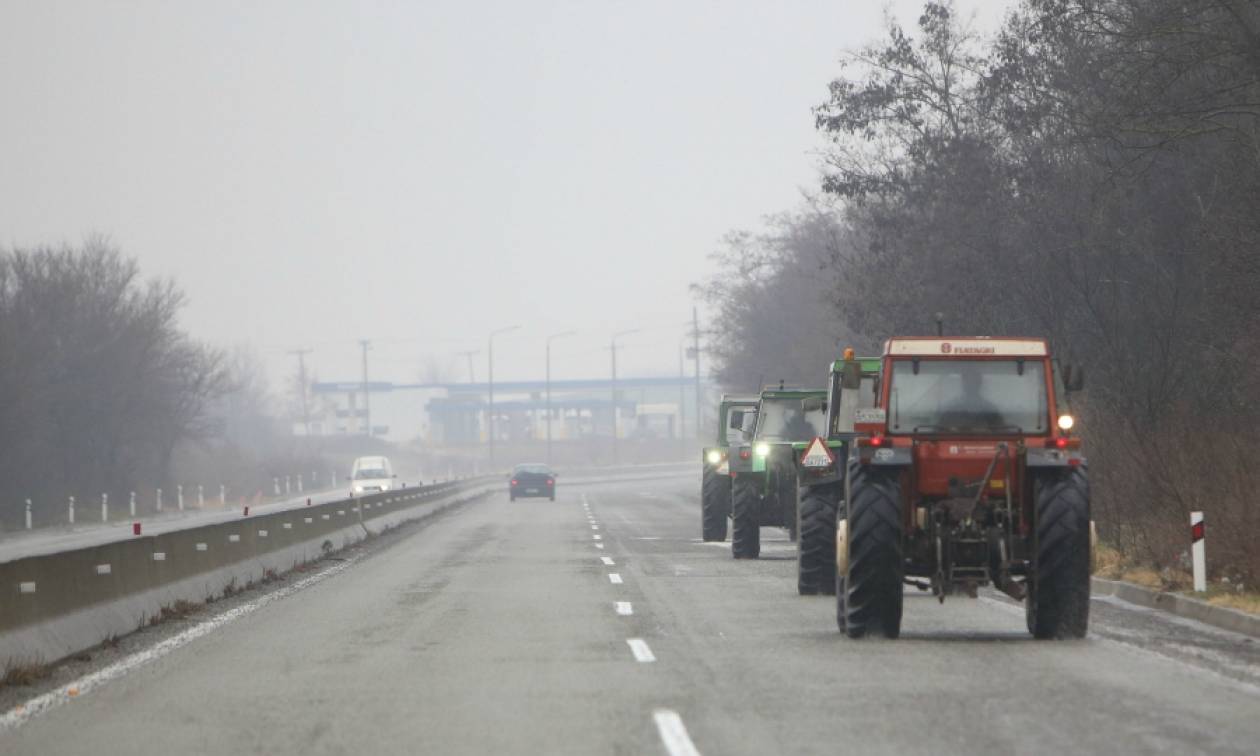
column 532, row 480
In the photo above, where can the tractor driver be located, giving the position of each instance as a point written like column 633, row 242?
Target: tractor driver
column 971, row 410
column 797, row 428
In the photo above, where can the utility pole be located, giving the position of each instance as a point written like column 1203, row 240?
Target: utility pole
column 472, row 376
column 306, row 415
column 551, row 338
column 490, row 355
column 613, row 349
column 695, row 334
column 682, row 390
column 367, row 402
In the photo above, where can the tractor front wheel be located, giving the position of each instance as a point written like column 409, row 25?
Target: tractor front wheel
column 816, row 549
column 745, row 519
column 715, row 505
column 872, row 599
column 1058, row 588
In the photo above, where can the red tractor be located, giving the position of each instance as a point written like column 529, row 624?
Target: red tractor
column 966, row 473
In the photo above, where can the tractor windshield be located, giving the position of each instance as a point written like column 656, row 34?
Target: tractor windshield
column 788, row 420
column 968, row 396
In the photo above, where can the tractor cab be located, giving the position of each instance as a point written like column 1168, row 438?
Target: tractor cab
column 821, row 468
column 763, row 467
column 852, row 386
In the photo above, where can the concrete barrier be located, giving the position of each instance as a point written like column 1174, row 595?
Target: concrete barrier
column 54, row 605
column 1182, row 606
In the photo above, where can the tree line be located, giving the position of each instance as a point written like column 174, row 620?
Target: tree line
column 101, row 391
column 1091, row 173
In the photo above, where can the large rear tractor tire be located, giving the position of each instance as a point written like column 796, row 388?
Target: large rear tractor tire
column 745, row 519
column 1058, row 588
column 871, row 604
column 715, row 505
column 816, row 549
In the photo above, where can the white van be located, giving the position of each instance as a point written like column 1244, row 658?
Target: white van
column 371, row 474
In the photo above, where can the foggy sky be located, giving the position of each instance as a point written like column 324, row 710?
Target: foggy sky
column 420, row 173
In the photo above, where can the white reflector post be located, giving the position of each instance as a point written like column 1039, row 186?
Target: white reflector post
column 1197, row 554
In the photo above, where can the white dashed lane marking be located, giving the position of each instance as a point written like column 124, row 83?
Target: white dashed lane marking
column 607, row 560
column 674, row 733
column 624, row 608
column 642, row 652
column 615, row 578
column 599, row 545
column 597, row 537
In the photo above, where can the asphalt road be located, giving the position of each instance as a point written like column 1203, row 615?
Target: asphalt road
column 497, row 628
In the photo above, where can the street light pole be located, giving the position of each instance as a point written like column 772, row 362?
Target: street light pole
column 549, row 340
column 615, row 336
column 491, row 384
column 367, row 401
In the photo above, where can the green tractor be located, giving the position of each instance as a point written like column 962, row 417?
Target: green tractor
column 764, row 467
column 715, row 479
column 822, row 465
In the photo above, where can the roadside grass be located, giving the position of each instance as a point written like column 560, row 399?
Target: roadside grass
column 24, row 673
column 1224, row 595
column 1110, row 564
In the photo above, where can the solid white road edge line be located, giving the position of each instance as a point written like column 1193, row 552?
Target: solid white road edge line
column 624, row 608
column 24, row 712
column 640, row 649
column 674, row 733
column 614, row 578
column 607, row 560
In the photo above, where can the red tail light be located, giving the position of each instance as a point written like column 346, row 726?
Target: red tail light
column 877, row 441
column 551, row 481
column 745, row 454
column 513, row 481
column 1061, row 442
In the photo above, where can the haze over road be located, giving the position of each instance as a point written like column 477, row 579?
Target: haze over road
column 582, row 626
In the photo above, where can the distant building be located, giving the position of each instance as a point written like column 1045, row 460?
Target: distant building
column 457, row 413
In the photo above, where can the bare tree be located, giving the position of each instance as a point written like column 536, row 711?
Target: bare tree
column 99, row 384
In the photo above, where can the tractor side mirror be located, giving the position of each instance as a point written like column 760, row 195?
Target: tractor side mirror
column 1073, row 378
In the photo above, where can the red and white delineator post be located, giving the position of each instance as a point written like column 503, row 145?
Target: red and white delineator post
column 1197, row 555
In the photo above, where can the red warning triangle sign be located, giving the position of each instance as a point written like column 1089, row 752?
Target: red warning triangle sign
column 818, row 455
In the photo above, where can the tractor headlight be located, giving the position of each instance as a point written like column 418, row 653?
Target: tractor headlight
column 1066, row 422
column 762, row 449
column 714, row 456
